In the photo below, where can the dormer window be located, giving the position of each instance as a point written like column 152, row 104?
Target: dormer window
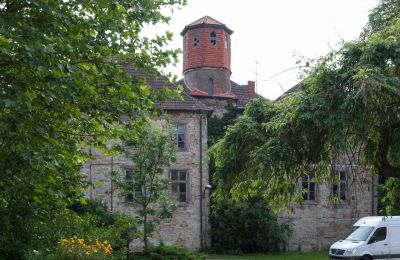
column 210, row 89
column 196, row 39
column 226, row 42
column 213, row 38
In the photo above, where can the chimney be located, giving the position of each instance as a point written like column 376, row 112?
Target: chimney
column 251, row 89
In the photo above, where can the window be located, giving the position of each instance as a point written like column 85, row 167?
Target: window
column 379, row 235
column 181, row 136
column 308, row 188
column 196, row 39
column 136, row 189
column 213, row 38
column 339, row 185
column 210, row 89
column 179, row 181
column 226, row 42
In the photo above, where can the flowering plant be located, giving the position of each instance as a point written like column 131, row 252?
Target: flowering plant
column 80, row 247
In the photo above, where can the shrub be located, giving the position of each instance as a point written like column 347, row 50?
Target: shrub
column 246, row 227
column 86, row 231
column 163, row 252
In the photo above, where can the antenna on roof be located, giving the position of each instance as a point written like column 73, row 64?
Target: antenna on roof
column 256, row 81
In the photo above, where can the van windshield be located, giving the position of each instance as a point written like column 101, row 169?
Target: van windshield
column 359, row 233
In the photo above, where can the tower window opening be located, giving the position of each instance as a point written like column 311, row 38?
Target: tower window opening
column 196, row 39
column 226, row 42
column 213, row 38
column 210, row 89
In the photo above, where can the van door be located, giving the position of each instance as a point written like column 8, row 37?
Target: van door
column 379, row 244
column 394, row 236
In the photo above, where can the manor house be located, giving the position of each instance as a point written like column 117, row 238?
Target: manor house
column 207, row 91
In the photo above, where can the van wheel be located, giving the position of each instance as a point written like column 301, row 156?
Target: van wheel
column 366, row 257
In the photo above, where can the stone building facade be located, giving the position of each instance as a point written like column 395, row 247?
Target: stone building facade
column 207, row 89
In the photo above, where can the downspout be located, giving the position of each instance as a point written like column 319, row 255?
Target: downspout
column 201, row 179
column 373, row 195
column 111, row 185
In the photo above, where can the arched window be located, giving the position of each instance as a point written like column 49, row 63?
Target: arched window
column 226, row 42
column 213, row 38
column 210, row 89
column 196, row 39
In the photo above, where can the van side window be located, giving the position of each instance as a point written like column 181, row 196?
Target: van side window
column 380, row 234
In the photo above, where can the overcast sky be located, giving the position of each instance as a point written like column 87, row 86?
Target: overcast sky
column 274, row 33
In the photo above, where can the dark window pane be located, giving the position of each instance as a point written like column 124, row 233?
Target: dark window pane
column 342, row 194
column 138, row 191
column 129, row 197
column 342, row 176
column 196, row 39
column 380, row 234
column 312, row 187
column 129, row 174
column 174, row 175
column 182, row 197
column 182, row 176
column 182, row 187
column 213, row 38
column 311, row 195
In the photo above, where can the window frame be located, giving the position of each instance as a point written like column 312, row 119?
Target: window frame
column 196, row 39
column 226, row 42
column 210, row 87
column 213, row 38
column 338, row 184
column 176, row 195
column 306, row 194
column 130, row 197
column 184, row 148
column 376, row 238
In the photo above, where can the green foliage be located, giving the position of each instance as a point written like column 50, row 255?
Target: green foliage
column 389, row 195
column 151, row 153
column 216, row 126
column 90, row 222
column 61, row 89
column 246, row 227
column 162, row 252
column 347, row 107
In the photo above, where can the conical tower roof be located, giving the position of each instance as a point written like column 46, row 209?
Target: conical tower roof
column 206, row 22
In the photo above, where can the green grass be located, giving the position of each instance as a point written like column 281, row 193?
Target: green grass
column 277, row 256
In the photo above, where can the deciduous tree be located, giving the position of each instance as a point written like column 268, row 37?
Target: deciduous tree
column 61, row 89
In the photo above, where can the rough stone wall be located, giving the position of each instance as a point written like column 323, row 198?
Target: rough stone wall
column 317, row 224
column 184, row 228
column 217, row 105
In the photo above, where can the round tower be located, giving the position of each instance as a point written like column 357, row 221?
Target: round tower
column 207, row 57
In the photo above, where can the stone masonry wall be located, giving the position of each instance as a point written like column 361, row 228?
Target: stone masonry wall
column 317, row 224
column 184, row 228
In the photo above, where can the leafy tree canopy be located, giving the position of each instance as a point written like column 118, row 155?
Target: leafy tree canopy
column 61, row 89
column 348, row 106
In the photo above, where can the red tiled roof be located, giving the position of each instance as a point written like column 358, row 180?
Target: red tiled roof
column 206, row 22
column 188, row 103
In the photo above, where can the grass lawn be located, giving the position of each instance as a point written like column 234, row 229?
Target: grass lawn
column 278, row 256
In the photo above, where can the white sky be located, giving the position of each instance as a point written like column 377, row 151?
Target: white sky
column 274, row 33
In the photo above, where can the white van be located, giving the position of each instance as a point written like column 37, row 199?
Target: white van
column 370, row 238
